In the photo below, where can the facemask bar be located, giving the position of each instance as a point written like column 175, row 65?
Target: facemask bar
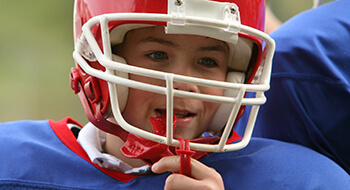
column 317, row 3
column 112, row 79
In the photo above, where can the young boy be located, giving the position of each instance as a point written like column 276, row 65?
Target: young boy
column 163, row 83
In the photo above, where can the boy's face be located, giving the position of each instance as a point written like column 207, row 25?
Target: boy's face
column 188, row 55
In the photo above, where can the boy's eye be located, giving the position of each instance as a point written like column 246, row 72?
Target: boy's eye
column 158, row 55
column 207, row 62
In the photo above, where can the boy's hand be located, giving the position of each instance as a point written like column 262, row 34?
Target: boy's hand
column 202, row 176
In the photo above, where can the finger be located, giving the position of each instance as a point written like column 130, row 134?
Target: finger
column 208, row 177
column 172, row 164
column 167, row 164
column 178, row 181
column 201, row 171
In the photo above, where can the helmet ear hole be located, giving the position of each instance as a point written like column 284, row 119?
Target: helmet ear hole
column 224, row 110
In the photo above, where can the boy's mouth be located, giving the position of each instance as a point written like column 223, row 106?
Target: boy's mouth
column 179, row 114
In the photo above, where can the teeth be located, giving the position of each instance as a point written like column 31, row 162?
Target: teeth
column 178, row 114
column 181, row 114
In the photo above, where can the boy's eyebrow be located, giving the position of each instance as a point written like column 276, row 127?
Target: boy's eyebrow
column 158, row 40
column 219, row 48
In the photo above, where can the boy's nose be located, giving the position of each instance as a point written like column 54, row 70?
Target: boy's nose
column 184, row 67
column 189, row 87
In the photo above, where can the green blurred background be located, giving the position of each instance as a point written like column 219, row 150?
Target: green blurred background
column 36, row 44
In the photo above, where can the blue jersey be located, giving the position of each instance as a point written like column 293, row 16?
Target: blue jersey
column 46, row 155
column 309, row 99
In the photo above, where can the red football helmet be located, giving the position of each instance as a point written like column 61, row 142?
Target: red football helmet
column 101, row 78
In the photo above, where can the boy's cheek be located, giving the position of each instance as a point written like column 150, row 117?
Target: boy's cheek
column 147, row 80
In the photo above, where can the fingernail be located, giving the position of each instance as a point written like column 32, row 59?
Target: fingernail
column 154, row 166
